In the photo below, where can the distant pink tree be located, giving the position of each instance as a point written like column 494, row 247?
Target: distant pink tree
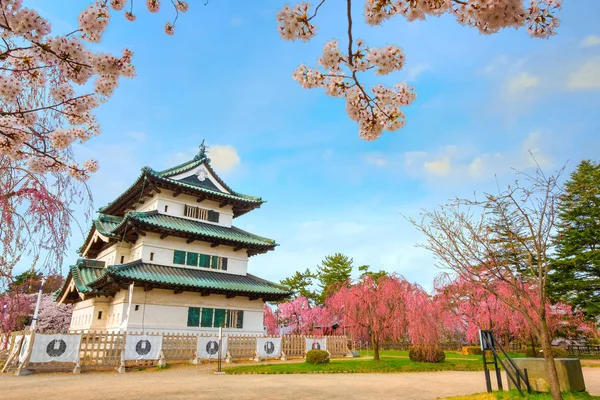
column 478, row 308
column 15, row 312
column 270, row 321
column 374, row 309
column 302, row 319
column 53, row 317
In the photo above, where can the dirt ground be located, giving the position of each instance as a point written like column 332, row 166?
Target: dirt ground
column 195, row 382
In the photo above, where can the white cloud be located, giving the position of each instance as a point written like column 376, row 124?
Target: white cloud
column 414, row 71
column 521, row 82
column 586, row 77
column 439, row 167
column 453, row 164
column 376, row 159
column 135, row 135
column 223, row 158
column 591, row 41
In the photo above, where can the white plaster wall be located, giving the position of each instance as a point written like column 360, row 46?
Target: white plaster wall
column 163, row 250
column 163, row 311
column 83, row 313
column 150, row 203
column 176, row 207
column 113, row 254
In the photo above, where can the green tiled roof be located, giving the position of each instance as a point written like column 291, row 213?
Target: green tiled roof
column 90, row 277
column 83, row 273
column 186, row 166
column 232, row 195
column 107, row 223
column 191, row 227
column 194, row 279
column 242, row 203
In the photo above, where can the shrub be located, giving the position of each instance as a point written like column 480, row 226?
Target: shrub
column 430, row 354
column 471, row 350
column 558, row 352
column 317, row 357
column 529, row 352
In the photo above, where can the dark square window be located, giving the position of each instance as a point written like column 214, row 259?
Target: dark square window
column 192, row 259
column 207, row 317
column 219, row 318
column 193, row 316
column 179, row 257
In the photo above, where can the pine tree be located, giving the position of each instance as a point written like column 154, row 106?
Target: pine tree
column 333, row 272
column 575, row 275
column 301, row 283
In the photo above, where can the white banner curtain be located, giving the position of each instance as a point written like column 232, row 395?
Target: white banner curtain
column 208, row 347
column 15, row 346
column 24, row 346
column 316, row 344
column 59, row 348
column 268, row 347
column 142, row 347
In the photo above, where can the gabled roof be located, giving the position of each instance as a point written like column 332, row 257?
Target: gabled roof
column 133, row 222
column 82, row 274
column 150, row 180
column 186, row 279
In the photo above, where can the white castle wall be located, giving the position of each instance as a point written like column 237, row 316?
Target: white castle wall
column 161, row 310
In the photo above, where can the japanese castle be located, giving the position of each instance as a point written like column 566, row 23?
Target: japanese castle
column 171, row 235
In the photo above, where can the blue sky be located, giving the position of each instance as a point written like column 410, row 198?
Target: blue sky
column 483, row 103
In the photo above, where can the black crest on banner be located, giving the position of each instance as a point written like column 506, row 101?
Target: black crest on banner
column 56, row 348
column 269, row 347
column 212, row 347
column 143, row 347
column 316, row 346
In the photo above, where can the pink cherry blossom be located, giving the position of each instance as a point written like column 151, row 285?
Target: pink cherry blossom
column 153, row 5
column 340, row 75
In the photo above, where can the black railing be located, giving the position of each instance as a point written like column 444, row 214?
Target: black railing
column 584, row 351
column 489, row 342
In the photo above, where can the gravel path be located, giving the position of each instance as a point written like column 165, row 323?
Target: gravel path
column 189, row 382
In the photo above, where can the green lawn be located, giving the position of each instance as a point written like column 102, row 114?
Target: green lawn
column 514, row 395
column 385, row 365
column 449, row 354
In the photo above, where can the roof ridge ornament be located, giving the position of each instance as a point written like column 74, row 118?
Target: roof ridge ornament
column 202, row 153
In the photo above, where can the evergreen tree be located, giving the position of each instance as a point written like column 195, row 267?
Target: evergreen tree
column 365, row 271
column 333, row 272
column 575, row 274
column 301, row 283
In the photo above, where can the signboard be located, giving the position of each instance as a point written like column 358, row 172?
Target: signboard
column 316, row 344
column 58, row 348
column 268, row 347
column 143, row 347
column 208, row 347
column 486, row 339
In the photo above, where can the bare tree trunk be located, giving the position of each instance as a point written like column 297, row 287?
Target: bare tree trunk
column 532, row 344
column 549, row 358
column 375, row 343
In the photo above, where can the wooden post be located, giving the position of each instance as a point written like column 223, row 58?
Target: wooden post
column 121, row 368
column 162, row 361
column 22, row 369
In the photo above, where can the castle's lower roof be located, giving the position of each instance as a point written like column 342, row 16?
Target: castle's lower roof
column 122, row 227
column 89, row 277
